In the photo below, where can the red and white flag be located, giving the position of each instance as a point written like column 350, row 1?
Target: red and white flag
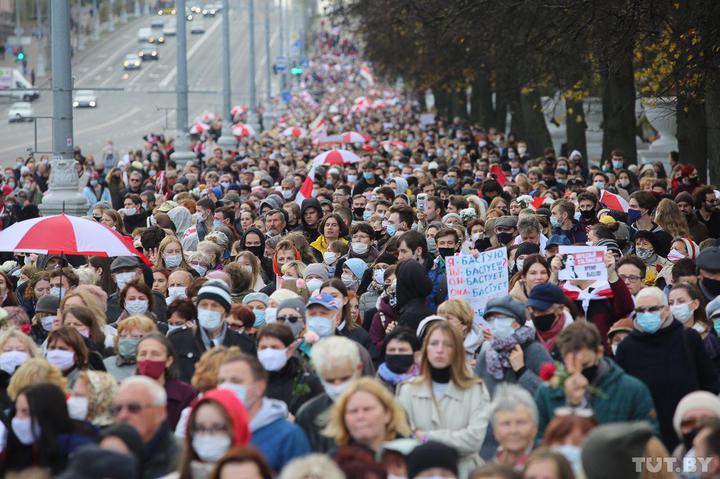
column 614, row 202
column 317, row 124
column 306, row 188
column 499, row 175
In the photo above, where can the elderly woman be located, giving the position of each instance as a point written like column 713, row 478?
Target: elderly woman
column 367, row 415
column 514, row 420
column 92, row 398
column 130, row 332
column 446, row 402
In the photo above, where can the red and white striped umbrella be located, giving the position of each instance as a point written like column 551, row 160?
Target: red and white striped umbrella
column 354, row 137
column 336, row 157
column 64, row 234
column 295, row 132
column 389, row 144
column 240, row 129
column 199, row 128
column 238, row 109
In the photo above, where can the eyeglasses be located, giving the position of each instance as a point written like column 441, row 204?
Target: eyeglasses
column 629, row 277
column 289, row 318
column 574, row 411
column 210, row 430
column 132, row 408
column 650, row 309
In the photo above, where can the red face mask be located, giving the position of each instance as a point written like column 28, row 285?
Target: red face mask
column 152, row 369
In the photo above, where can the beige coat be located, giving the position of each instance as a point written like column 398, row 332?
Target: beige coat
column 460, row 419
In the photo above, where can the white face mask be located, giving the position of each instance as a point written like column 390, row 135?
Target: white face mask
column 335, row 390
column 62, row 359
column 11, row 360
column 270, row 315
column 379, row 276
column 359, row 248
column 136, row 306
column 329, row 257
column 272, row 359
column 313, row 284
column 176, row 292
column 172, row 260
column 209, row 320
column 22, row 427
column 121, row 279
column 78, row 407
column 47, row 322
column 682, row 312
column 211, row 448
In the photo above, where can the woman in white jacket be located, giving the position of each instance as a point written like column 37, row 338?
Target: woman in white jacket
column 446, row 403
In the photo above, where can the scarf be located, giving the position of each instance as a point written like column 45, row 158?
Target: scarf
column 547, row 338
column 395, row 378
column 498, row 357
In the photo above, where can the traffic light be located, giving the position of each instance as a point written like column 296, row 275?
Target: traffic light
column 18, row 53
column 296, row 70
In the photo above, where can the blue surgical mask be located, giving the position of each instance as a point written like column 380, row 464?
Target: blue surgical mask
column 554, row 221
column 577, row 216
column 368, row 175
column 633, row 215
column 259, row 318
column 600, row 185
column 367, row 214
column 502, row 327
column 391, row 230
column 716, row 326
column 59, row 292
column 217, row 223
column 649, row 322
column 321, row 326
column 239, row 390
column 451, row 182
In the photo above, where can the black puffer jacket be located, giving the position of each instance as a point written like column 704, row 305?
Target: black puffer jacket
column 293, row 384
column 413, row 288
column 310, row 232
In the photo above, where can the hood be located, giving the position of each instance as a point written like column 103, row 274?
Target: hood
column 271, row 410
column 412, row 282
column 401, row 185
column 181, row 218
column 307, row 204
column 233, row 408
column 257, row 232
column 44, row 259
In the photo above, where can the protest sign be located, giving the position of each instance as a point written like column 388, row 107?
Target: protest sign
column 583, row 262
column 476, row 280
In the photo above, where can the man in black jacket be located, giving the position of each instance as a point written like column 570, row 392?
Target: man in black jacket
column 669, row 358
column 213, row 304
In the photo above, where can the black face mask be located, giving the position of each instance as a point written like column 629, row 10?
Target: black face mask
column 590, row 373
column 445, row 252
column 504, row 238
column 712, row 285
column 482, row 244
column 688, row 438
column 544, row 322
column 587, row 214
column 358, row 212
column 258, row 251
column 399, row 363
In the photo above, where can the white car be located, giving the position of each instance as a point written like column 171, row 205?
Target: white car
column 84, row 99
column 144, row 34
column 169, row 30
column 20, row 111
column 157, row 23
column 198, row 26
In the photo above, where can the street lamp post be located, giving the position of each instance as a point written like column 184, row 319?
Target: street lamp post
column 40, row 67
column 111, row 17
column 226, row 140
column 96, row 21
column 252, row 118
column 123, row 11
column 182, row 153
column 63, row 194
column 268, row 54
column 283, row 43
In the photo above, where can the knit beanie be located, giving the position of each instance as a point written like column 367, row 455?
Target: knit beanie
column 262, row 297
column 431, row 455
column 216, row 290
column 695, row 400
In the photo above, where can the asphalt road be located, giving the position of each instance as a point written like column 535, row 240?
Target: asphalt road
column 146, row 100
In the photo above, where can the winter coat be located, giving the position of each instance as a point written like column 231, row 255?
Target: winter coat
column 671, row 362
column 277, row 439
column 310, row 232
column 413, row 288
column 619, row 397
column 190, row 346
column 459, row 419
column 576, row 234
column 535, row 356
column 439, row 281
column 312, row 418
column 384, row 316
column 294, row 384
column 362, row 337
column 179, row 396
column 161, row 454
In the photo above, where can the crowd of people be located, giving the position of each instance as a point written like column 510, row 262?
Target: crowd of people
column 293, row 318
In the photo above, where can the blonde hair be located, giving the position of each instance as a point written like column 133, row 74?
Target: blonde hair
column 671, row 219
column 298, row 265
column 206, row 370
column 14, row 333
column 35, row 371
column 459, row 373
column 161, row 251
column 136, row 321
column 398, row 425
column 458, row 308
column 312, row 466
column 90, row 301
